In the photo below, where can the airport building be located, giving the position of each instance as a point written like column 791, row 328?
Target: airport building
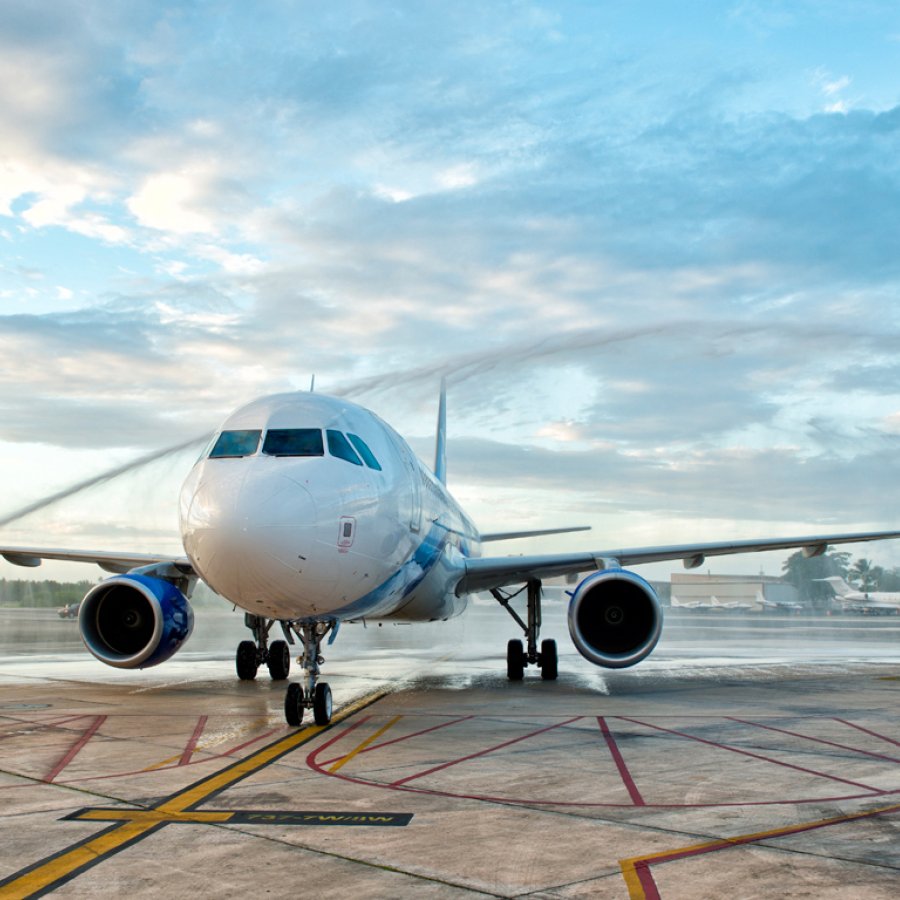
column 750, row 593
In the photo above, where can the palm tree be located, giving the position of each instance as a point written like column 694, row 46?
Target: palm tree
column 864, row 575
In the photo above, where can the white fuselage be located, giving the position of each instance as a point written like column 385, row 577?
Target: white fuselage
column 310, row 507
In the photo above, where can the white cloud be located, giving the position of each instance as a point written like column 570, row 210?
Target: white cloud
column 602, row 241
column 172, row 202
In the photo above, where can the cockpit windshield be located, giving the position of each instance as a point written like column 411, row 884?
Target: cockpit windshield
column 235, row 443
column 293, row 442
column 340, row 447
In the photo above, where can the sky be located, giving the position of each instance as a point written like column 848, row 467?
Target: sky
column 654, row 248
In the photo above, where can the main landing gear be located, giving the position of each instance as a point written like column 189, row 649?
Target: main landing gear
column 517, row 656
column 252, row 654
column 315, row 696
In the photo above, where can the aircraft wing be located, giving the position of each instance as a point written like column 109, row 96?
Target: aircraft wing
column 110, row 561
column 493, row 572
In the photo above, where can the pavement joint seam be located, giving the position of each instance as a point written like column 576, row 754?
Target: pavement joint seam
column 352, row 859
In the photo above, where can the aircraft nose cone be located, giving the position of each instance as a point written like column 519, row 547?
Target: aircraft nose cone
column 254, row 542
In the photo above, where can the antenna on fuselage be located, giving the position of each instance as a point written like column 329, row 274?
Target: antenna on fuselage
column 440, row 450
column 312, row 383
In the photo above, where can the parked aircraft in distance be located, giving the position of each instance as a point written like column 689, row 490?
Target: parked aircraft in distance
column 851, row 599
column 695, row 605
column 730, row 605
column 785, row 606
column 308, row 511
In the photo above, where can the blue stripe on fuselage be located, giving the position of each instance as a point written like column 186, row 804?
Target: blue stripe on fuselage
column 405, row 580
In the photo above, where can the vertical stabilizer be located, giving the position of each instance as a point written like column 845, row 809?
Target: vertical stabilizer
column 440, row 450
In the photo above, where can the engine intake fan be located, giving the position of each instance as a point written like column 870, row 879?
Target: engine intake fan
column 615, row 618
column 134, row 621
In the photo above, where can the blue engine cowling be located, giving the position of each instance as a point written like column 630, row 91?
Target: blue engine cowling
column 134, row 621
column 615, row 618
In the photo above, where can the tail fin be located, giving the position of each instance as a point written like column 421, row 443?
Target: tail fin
column 440, row 450
column 838, row 585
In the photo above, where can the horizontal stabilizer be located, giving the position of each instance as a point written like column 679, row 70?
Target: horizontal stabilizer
column 512, row 535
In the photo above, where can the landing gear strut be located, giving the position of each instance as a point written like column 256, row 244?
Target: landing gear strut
column 315, row 696
column 252, row 654
column 517, row 656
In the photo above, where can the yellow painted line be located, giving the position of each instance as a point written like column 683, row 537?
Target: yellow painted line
column 153, row 816
column 629, row 866
column 220, row 780
column 632, row 882
column 260, row 722
column 137, row 823
column 163, row 764
column 198, row 792
column 63, row 865
column 345, row 759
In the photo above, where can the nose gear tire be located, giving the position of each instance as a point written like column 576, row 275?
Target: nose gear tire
column 246, row 661
column 293, row 705
column 279, row 660
column 322, row 704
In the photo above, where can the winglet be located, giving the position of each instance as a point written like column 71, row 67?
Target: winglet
column 440, row 450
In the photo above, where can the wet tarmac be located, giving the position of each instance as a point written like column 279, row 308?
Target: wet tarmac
column 748, row 757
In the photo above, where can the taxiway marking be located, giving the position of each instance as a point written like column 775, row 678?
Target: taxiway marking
column 640, row 882
column 768, row 759
column 867, row 731
column 462, row 759
column 192, row 743
column 809, row 737
column 76, row 748
column 242, row 817
column 369, row 740
column 405, row 737
column 616, row 754
column 45, row 875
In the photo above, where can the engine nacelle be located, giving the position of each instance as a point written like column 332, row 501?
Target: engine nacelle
column 615, row 618
column 134, row 621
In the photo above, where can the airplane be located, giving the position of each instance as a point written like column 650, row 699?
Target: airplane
column 697, row 605
column 730, row 605
column 866, row 602
column 309, row 511
column 784, row 606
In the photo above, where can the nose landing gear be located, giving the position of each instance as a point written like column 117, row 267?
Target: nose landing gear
column 314, row 695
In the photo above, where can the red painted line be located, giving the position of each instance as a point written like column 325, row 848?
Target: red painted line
column 808, row 737
column 311, row 758
column 531, row 801
column 867, row 731
column 193, row 762
column 234, row 750
column 642, row 866
column 777, row 762
column 192, row 743
column 624, row 774
column 15, row 729
column 463, row 759
column 405, row 737
column 756, row 838
column 76, row 748
column 651, row 891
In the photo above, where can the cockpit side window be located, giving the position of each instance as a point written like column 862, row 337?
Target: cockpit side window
column 293, row 442
column 340, row 447
column 363, row 449
column 235, row 443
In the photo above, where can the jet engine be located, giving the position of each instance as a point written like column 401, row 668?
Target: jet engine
column 134, row 621
column 615, row 618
